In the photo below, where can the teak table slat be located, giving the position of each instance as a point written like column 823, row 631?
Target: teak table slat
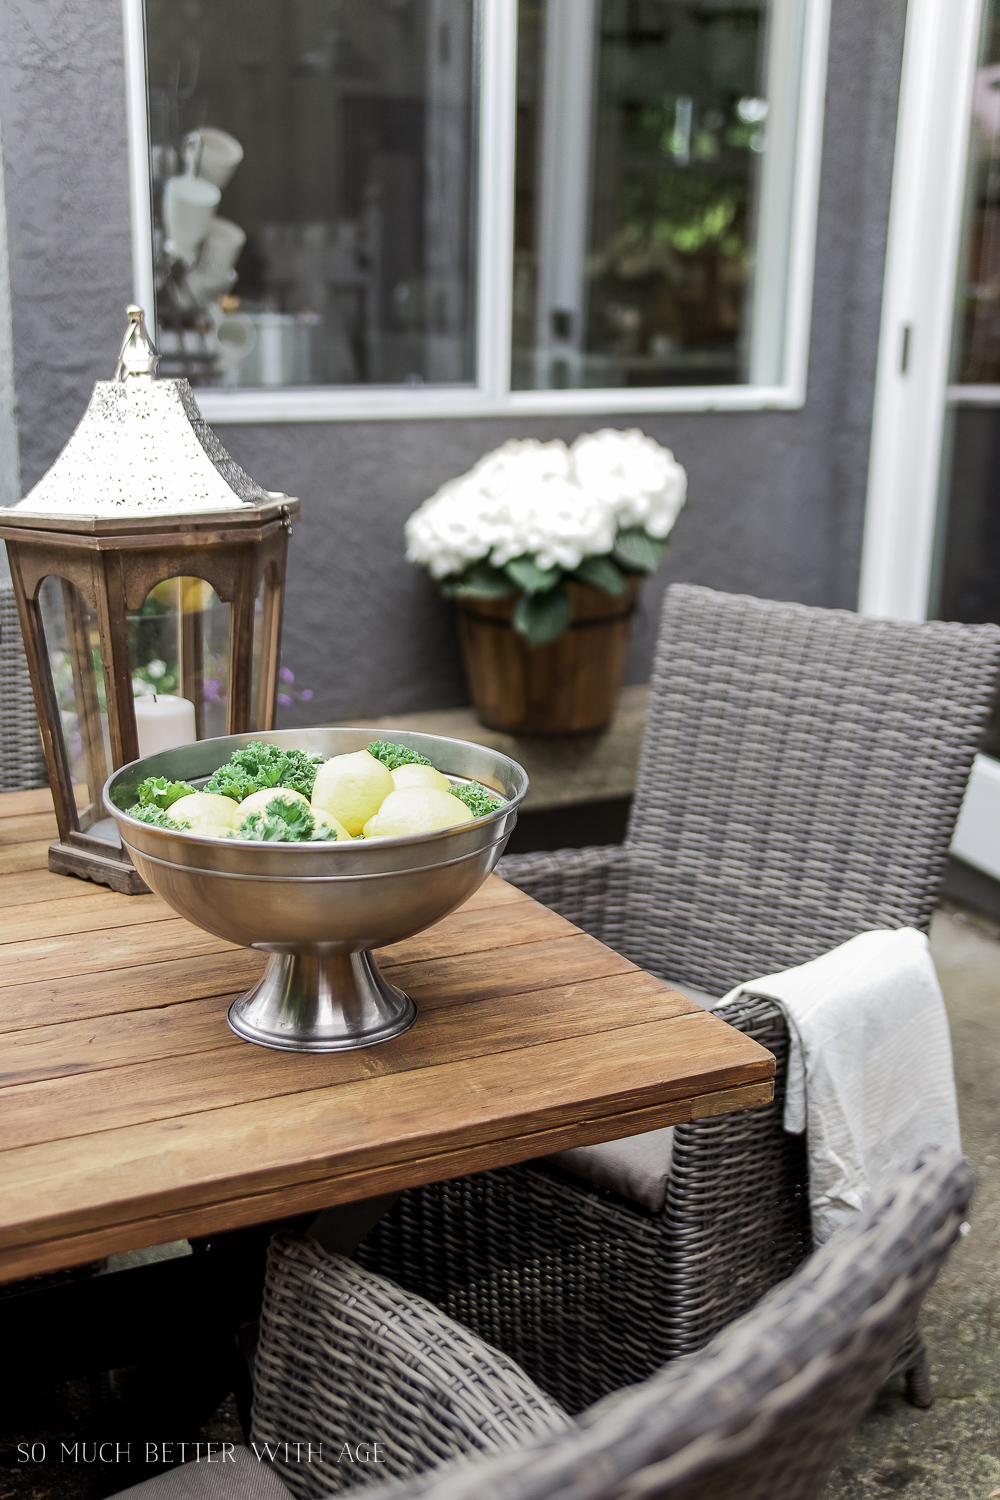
column 131, row 1115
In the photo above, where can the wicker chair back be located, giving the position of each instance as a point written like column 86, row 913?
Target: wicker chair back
column 801, row 775
column 348, row 1360
column 22, row 762
column 764, row 1412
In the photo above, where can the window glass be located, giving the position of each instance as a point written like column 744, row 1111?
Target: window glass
column 966, row 581
column 313, row 173
column 643, row 127
column 977, row 330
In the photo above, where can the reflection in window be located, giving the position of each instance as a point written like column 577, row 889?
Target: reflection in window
column 977, row 353
column 966, row 580
column 313, row 190
column 642, row 128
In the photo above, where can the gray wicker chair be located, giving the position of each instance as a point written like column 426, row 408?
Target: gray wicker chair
column 764, row 1412
column 22, row 762
column 800, row 780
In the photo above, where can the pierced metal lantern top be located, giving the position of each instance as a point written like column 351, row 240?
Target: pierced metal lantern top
column 142, row 448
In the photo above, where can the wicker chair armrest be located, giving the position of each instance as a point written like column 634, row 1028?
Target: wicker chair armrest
column 586, row 886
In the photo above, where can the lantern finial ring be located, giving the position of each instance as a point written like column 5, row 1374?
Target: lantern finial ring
column 138, row 357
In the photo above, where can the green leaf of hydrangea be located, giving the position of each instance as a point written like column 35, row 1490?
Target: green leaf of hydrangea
column 481, row 581
column 530, row 577
column 637, row 551
column 542, row 618
column 600, row 573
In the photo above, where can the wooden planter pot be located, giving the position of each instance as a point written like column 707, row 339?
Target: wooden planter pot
column 568, row 687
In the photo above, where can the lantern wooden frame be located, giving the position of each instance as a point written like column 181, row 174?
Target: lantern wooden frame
column 111, row 564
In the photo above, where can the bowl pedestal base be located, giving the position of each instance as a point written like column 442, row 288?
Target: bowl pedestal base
column 321, row 1002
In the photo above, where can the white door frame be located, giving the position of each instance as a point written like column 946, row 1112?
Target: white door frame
column 925, row 227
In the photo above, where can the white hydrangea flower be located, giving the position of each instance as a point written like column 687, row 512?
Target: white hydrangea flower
column 643, row 482
column 554, row 504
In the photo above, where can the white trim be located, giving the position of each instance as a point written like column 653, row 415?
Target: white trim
column 976, row 840
column 769, row 296
column 925, row 227
column 498, row 123
column 137, row 119
column 805, row 197
column 491, row 396
column 925, row 221
column 973, row 395
column 10, row 466
column 564, row 167
column 403, row 403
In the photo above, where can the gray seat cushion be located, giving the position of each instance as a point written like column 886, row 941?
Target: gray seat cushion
column 235, row 1475
column 637, row 1166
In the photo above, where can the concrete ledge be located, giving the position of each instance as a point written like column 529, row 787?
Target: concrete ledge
column 564, row 769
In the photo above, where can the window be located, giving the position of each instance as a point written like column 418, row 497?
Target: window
column 347, row 208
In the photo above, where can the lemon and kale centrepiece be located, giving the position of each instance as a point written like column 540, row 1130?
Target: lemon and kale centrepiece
column 270, row 794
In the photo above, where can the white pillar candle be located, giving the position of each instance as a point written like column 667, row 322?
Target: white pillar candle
column 164, row 722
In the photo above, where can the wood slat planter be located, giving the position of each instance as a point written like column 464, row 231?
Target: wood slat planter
column 570, row 686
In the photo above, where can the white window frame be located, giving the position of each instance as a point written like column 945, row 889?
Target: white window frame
column 491, row 394
column 915, row 345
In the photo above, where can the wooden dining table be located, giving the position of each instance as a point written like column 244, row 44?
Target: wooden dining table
column 130, row 1115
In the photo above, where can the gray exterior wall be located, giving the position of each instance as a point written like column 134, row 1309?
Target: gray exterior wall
column 776, row 498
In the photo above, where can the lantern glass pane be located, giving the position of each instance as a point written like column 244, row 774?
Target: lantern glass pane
column 74, row 652
column 179, row 648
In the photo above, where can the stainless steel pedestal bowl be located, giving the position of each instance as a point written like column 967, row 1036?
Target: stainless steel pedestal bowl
column 318, row 909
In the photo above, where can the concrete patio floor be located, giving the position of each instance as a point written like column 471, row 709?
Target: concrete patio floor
column 952, row 1451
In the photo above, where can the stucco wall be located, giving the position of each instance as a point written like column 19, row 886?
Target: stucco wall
column 776, row 499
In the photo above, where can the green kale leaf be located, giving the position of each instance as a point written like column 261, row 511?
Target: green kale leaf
column 394, row 756
column 156, row 816
column 231, row 781
column 476, row 798
column 157, row 791
column 258, row 767
column 283, row 821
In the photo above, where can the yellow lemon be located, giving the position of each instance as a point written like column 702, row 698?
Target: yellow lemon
column 257, row 801
column 204, row 812
column 325, row 823
column 416, row 809
column 351, row 788
column 419, row 776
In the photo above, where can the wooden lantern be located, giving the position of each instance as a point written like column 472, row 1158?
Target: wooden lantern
column 142, row 493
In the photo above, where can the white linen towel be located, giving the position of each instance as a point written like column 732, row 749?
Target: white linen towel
column 869, row 1071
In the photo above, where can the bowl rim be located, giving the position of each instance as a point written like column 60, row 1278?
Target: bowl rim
column 317, row 846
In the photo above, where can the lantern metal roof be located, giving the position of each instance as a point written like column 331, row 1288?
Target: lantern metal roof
column 142, row 448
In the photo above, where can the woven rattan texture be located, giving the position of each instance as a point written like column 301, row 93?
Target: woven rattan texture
column 346, row 1358
column 801, row 776
column 22, row 763
column 765, row 1411
column 804, row 774
column 586, row 1290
